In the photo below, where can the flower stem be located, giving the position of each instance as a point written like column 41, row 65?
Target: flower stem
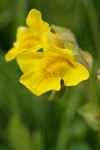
column 92, row 94
column 95, row 102
column 93, row 22
column 71, row 107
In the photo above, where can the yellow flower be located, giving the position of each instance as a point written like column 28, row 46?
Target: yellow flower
column 43, row 71
column 29, row 38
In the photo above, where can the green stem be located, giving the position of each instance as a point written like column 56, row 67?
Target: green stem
column 94, row 101
column 99, row 138
column 93, row 94
column 52, row 95
column 91, row 85
column 94, row 25
column 71, row 107
column 93, row 22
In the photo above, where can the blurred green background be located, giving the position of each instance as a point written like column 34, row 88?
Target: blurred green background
column 28, row 122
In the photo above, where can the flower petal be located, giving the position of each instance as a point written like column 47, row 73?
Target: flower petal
column 29, row 61
column 63, row 52
column 21, row 32
column 75, row 75
column 35, row 22
column 43, row 71
column 26, row 40
column 36, row 84
column 12, row 53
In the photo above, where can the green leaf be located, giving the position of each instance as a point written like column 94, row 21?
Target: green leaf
column 38, row 140
column 90, row 116
column 18, row 135
column 79, row 145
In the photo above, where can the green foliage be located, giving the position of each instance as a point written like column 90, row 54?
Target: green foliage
column 28, row 122
column 18, row 135
column 90, row 115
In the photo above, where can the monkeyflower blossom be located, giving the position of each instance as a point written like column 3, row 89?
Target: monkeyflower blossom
column 43, row 71
column 29, row 38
